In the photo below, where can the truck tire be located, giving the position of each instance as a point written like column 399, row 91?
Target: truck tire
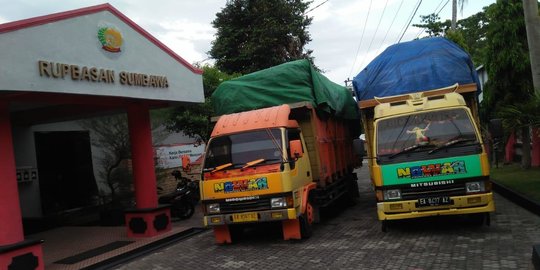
column 306, row 229
column 384, row 225
column 236, row 232
column 478, row 219
column 306, row 222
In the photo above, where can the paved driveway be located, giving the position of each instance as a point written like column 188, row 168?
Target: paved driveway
column 351, row 238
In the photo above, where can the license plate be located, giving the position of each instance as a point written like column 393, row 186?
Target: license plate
column 245, row 217
column 433, row 201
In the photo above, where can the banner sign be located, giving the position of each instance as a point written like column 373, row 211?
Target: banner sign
column 169, row 156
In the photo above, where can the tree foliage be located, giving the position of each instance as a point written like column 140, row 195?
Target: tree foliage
column 194, row 119
column 457, row 37
column 111, row 135
column 257, row 34
column 473, row 30
column 508, row 92
column 470, row 33
column 433, row 26
column 507, row 57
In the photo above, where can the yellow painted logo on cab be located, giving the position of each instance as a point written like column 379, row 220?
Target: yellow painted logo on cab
column 259, row 183
column 249, row 185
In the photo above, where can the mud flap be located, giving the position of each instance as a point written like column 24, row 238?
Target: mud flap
column 222, row 234
column 291, row 229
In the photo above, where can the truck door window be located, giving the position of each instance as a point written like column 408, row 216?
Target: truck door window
column 292, row 134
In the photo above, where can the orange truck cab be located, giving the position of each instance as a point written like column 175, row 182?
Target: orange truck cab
column 277, row 164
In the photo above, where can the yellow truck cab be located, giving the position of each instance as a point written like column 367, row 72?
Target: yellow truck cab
column 272, row 164
column 426, row 154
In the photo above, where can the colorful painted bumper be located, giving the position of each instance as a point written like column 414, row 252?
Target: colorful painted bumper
column 250, row 217
column 469, row 204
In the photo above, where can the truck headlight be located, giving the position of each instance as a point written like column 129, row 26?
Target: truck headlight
column 212, row 208
column 278, row 202
column 475, row 187
column 392, row 194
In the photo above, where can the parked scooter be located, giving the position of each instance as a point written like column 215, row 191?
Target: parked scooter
column 184, row 198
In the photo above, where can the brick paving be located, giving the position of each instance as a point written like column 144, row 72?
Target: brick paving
column 351, row 238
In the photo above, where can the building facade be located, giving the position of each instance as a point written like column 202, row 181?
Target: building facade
column 56, row 70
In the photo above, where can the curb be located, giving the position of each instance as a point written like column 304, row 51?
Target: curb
column 144, row 250
column 516, row 198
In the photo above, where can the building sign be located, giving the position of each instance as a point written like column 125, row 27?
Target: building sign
column 170, row 156
column 99, row 75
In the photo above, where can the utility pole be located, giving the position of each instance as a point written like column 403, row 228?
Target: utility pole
column 454, row 15
column 532, row 24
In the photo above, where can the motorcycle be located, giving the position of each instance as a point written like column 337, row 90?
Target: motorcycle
column 184, row 198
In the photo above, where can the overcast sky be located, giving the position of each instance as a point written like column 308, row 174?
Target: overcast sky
column 346, row 34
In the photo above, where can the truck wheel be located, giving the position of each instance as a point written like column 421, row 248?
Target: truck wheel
column 384, row 225
column 306, row 222
column 478, row 219
column 236, row 232
column 306, row 229
column 488, row 219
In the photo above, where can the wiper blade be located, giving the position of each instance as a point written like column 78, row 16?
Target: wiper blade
column 253, row 162
column 406, row 150
column 258, row 161
column 450, row 143
column 221, row 167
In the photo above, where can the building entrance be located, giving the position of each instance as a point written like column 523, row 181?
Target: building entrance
column 66, row 176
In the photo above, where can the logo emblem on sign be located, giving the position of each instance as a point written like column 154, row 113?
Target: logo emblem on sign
column 110, row 38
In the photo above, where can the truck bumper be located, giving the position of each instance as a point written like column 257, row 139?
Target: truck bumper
column 262, row 216
column 469, row 204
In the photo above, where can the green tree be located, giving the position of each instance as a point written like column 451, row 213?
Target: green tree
column 470, row 33
column 111, row 134
column 457, row 37
column 473, row 29
column 257, row 34
column 509, row 71
column 507, row 59
column 520, row 117
column 195, row 120
column 433, row 26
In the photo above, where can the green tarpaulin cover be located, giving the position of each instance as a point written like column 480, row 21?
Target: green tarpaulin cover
column 287, row 83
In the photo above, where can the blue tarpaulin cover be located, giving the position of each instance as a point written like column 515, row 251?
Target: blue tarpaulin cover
column 413, row 66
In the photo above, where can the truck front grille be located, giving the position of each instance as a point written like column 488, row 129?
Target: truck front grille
column 456, row 189
column 245, row 206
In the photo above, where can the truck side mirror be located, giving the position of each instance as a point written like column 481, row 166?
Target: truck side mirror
column 358, row 145
column 496, row 128
column 295, row 147
column 186, row 163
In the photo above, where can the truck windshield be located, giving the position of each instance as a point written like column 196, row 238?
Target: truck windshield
column 426, row 135
column 243, row 149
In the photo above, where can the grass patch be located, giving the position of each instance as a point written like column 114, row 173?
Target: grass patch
column 524, row 182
